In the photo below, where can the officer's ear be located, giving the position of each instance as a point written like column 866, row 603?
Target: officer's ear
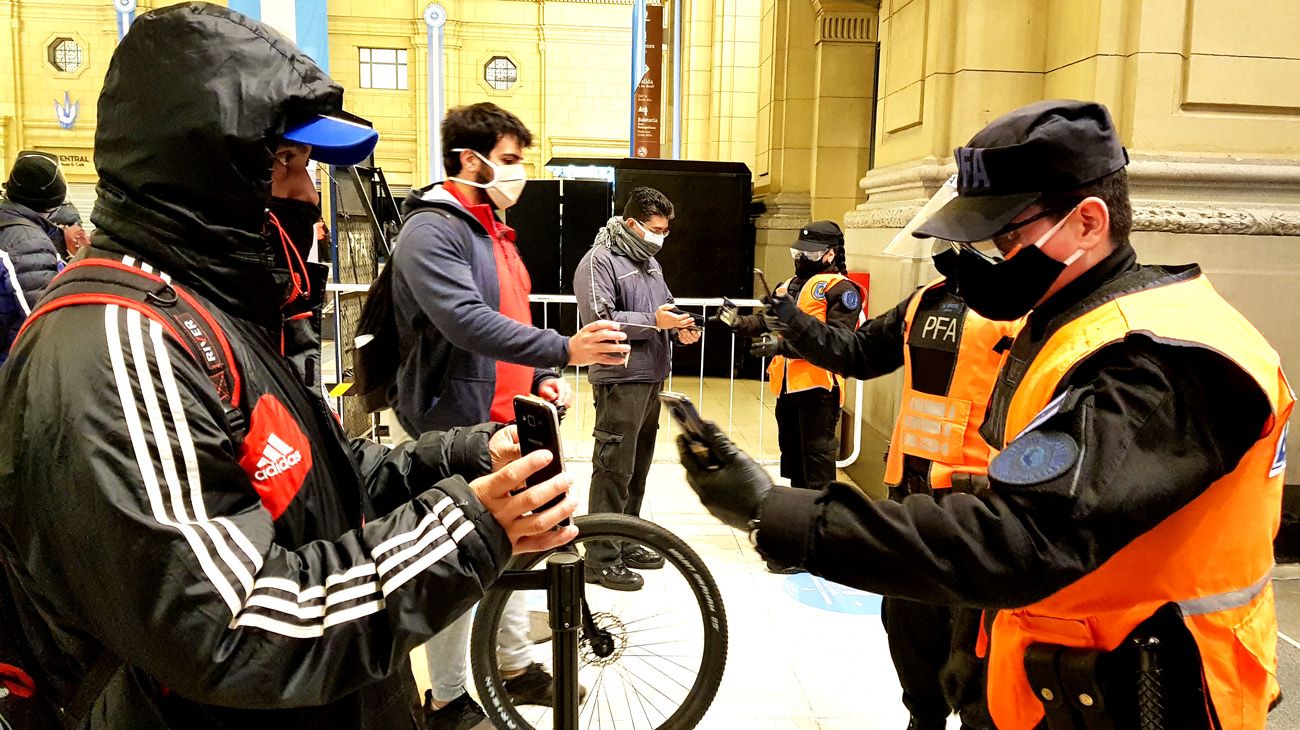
column 1093, row 227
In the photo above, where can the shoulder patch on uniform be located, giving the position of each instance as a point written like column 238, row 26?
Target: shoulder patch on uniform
column 1049, row 410
column 1279, row 456
column 1035, row 458
column 850, row 299
column 819, row 290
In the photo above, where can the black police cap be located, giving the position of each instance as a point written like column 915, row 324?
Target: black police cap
column 819, row 236
column 1047, row 147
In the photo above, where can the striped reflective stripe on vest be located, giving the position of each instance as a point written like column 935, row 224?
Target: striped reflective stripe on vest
column 1224, row 601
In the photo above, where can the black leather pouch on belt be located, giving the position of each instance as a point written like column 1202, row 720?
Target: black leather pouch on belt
column 1151, row 681
column 1072, row 685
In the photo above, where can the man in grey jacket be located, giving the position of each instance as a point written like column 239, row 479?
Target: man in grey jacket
column 619, row 280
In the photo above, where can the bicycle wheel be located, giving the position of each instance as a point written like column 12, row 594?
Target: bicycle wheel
column 664, row 647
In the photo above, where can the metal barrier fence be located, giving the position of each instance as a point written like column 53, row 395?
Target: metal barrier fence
column 342, row 297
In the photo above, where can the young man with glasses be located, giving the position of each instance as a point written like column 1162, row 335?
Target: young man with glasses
column 620, row 280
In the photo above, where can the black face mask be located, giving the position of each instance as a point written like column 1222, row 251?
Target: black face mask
column 803, row 268
column 1002, row 291
column 298, row 220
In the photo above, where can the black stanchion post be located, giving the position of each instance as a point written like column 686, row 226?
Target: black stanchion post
column 564, row 601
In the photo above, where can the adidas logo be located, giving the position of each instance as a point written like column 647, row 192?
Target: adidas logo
column 277, row 458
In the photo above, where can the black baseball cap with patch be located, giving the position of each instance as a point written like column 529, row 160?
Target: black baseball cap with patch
column 819, row 236
column 1046, row 147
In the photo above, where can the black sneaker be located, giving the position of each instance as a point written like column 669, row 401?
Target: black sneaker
column 642, row 558
column 615, row 577
column 461, row 713
column 781, row 569
column 536, row 686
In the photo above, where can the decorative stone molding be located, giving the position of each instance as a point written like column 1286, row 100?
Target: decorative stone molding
column 1148, row 216
column 785, row 212
column 895, row 216
column 847, row 21
column 1177, row 217
column 1171, row 195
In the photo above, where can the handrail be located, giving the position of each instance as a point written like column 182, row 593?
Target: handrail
column 569, row 298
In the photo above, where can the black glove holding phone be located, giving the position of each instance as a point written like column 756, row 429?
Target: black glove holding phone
column 730, row 484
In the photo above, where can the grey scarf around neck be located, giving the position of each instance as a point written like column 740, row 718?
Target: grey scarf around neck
column 619, row 237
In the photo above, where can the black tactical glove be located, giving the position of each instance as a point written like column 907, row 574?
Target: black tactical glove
column 769, row 345
column 729, row 314
column 782, row 310
column 729, row 483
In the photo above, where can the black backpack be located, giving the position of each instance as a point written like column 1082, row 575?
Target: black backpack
column 26, row 703
column 377, row 355
column 378, row 352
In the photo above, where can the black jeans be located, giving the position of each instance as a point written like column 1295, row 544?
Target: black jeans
column 627, row 420
column 805, row 425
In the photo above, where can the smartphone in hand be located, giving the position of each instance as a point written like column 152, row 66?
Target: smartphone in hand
column 683, row 411
column 538, row 422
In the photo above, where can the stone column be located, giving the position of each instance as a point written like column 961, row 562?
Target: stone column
column 843, row 103
column 782, row 179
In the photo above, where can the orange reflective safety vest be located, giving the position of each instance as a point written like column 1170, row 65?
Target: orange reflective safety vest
column 798, row 374
column 1212, row 557
column 943, row 428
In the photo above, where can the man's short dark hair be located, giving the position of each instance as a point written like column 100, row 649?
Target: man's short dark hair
column 1113, row 191
column 478, row 127
column 646, row 203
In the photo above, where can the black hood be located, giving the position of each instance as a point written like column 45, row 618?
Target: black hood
column 195, row 100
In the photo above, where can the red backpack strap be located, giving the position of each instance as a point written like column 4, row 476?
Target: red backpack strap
column 108, row 281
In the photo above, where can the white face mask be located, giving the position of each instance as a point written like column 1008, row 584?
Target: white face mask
column 506, row 185
column 650, row 237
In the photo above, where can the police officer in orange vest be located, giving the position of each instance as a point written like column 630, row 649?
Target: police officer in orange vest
column 950, row 358
column 808, row 398
column 1125, row 538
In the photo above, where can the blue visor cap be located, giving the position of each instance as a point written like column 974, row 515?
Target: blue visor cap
column 335, row 141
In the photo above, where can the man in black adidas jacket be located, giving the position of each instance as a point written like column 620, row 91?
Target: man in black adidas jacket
column 278, row 580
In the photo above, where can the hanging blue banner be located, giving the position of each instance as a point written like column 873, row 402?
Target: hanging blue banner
column 125, row 16
column 305, row 22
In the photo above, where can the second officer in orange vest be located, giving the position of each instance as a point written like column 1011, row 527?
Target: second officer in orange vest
column 808, row 398
column 950, row 358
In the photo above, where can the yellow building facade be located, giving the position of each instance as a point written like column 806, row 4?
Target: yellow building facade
column 843, row 109
column 571, row 63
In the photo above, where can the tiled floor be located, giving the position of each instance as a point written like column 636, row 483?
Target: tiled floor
column 803, row 653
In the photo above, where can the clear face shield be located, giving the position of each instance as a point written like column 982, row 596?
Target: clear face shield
column 906, row 246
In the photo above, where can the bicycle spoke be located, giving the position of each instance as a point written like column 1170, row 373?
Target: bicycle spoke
column 635, row 693
column 665, row 657
column 595, row 689
column 642, row 700
column 651, row 685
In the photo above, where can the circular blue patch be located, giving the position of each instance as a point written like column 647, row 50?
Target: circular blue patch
column 1035, row 458
column 819, row 290
column 850, row 299
column 820, row 593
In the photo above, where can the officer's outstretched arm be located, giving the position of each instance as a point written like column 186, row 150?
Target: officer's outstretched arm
column 873, row 350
